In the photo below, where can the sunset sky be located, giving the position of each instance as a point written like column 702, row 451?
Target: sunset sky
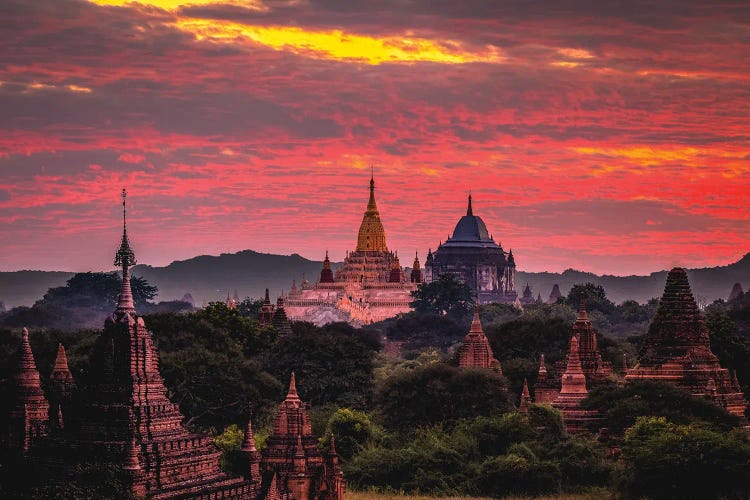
column 605, row 136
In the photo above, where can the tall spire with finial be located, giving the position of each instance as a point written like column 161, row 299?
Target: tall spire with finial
column 371, row 236
column 125, row 257
column 469, row 210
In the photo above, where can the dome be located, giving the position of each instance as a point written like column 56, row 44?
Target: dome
column 471, row 231
column 471, row 228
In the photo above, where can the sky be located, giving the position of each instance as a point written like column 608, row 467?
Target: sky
column 599, row 135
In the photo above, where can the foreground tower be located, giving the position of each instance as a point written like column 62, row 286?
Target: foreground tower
column 292, row 456
column 125, row 418
column 594, row 367
column 572, row 392
column 678, row 349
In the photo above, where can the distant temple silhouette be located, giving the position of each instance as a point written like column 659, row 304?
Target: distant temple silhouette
column 370, row 286
column 472, row 256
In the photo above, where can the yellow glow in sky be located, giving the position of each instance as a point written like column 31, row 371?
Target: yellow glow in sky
column 175, row 4
column 338, row 45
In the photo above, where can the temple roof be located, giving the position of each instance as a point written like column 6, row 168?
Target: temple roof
column 470, row 232
column 371, row 237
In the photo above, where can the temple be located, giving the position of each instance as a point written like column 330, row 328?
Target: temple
column 595, row 369
column 736, row 293
column 678, row 350
column 26, row 417
column 292, row 456
column 370, row 286
column 476, row 351
column 123, row 417
column 472, row 256
column 572, row 392
column 554, row 294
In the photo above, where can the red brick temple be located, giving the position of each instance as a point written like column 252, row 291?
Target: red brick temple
column 123, row 417
column 678, row 350
column 545, row 388
column 573, row 391
column 595, row 369
column 28, row 419
column 476, row 351
column 292, row 456
column 548, row 385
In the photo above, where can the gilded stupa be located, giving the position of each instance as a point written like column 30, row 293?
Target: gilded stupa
column 370, row 285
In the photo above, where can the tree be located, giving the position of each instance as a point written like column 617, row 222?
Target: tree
column 446, row 296
column 732, row 350
column 351, row 429
column 440, row 393
column 668, row 461
column 519, row 473
column 594, row 295
column 333, row 363
column 622, row 405
column 98, row 290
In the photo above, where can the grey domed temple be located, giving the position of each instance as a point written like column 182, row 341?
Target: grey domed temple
column 472, row 256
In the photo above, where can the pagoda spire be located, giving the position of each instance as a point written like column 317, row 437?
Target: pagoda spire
column 251, row 453
column 476, row 324
column 292, row 394
column 61, row 372
column 523, row 406
column 371, row 206
column 469, row 210
column 573, row 380
column 125, row 257
column 582, row 315
column 542, row 366
column 27, row 375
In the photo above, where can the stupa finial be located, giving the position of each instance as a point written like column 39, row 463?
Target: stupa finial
column 125, row 257
column 469, row 210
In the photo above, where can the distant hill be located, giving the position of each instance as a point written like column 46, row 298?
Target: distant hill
column 708, row 284
column 209, row 278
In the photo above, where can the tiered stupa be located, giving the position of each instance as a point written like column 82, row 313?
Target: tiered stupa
column 554, row 294
column 736, row 292
column 476, row 351
column 595, row 369
column 416, row 271
column 527, row 297
column 326, row 274
column 678, row 349
column 265, row 313
column 292, row 456
column 525, row 401
column 61, row 388
column 280, row 320
column 572, row 392
column 26, row 415
column 545, row 388
column 125, row 418
column 370, row 285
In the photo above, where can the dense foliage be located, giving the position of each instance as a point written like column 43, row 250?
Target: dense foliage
column 445, row 296
column 418, row 423
column 669, row 461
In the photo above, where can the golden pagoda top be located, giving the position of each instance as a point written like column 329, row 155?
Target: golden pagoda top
column 371, row 236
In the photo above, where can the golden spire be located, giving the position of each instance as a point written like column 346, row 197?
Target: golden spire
column 371, row 237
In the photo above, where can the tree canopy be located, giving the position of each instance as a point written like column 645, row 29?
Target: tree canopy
column 445, row 296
